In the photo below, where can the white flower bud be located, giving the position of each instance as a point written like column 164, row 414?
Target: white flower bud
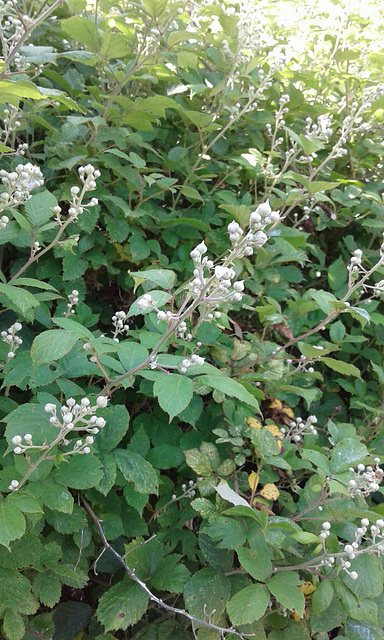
column 353, row 575
column 89, row 440
column 101, row 401
column 142, row 304
column 28, row 437
column 86, row 450
column 365, row 522
column 17, row 450
column 16, row 440
column 238, row 286
column 100, row 422
column 14, row 484
column 49, row 407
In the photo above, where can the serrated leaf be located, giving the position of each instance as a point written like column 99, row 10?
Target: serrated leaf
column 47, row 587
column 52, row 345
column 249, row 604
column 79, row 472
column 38, row 208
column 169, row 575
column 269, row 491
column 122, row 605
column 70, row 619
column 174, row 392
column 229, row 387
column 21, row 298
column 347, row 453
column 285, row 587
column 12, row 523
column 83, row 30
column 362, row 630
column 161, row 277
column 117, row 424
column 256, row 561
column 14, row 589
column 305, row 537
column 13, row 625
column 137, row 470
column 53, row 495
column 207, row 590
column 322, row 597
column 341, row 367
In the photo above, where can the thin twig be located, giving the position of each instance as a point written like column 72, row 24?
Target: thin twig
column 151, row 596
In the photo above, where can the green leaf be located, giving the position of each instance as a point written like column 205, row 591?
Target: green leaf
column 22, row 299
column 249, row 604
column 117, row 424
column 347, row 453
column 284, row 586
column 108, row 468
column 74, row 327
column 32, row 282
column 52, row 495
column 229, row 387
column 256, row 561
column 122, row 605
column 199, row 462
column 113, row 45
column 228, row 532
column 47, row 587
column 341, row 367
column 207, row 591
column 13, row 625
column 24, row 501
column 137, row 470
column 322, row 596
column 70, row 619
column 30, row 418
column 79, row 471
column 169, row 575
column 83, row 30
column 161, row 277
column 14, row 589
column 12, row 524
column 18, row 89
column 361, row 630
column 314, row 187
column 38, row 208
column 174, row 392
column 165, row 456
column 370, row 581
column 131, row 354
column 305, row 537
column 52, row 345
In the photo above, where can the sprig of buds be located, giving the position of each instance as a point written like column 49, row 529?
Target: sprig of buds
column 13, row 341
column 119, row 322
column 298, row 428
column 73, row 299
column 366, row 479
column 18, row 184
column 88, row 175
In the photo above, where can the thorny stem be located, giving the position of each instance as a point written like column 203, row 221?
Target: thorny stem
column 143, row 586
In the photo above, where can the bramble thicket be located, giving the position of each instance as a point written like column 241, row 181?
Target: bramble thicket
column 192, row 320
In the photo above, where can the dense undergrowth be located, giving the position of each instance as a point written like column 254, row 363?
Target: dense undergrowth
column 192, row 260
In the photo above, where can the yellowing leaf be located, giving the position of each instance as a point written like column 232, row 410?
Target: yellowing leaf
column 253, row 480
column 270, row 491
column 252, row 422
column 307, row 588
column 296, row 617
column 276, row 404
column 288, row 412
column 274, row 430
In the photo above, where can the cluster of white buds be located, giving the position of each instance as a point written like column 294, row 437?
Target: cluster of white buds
column 353, row 549
column 182, row 331
column 22, row 148
column 379, row 288
column 19, row 184
column 366, row 479
column 187, row 489
column 88, row 176
column 11, row 120
column 146, row 302
column 3, row 222
column 73, row 299
column 13, row 341
column 119, row 322
column 298, row 428
column 194, row 360
column 78, row 417
column 261, row 218
column 324, row 533
column 354, row 266
column 322, row 130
